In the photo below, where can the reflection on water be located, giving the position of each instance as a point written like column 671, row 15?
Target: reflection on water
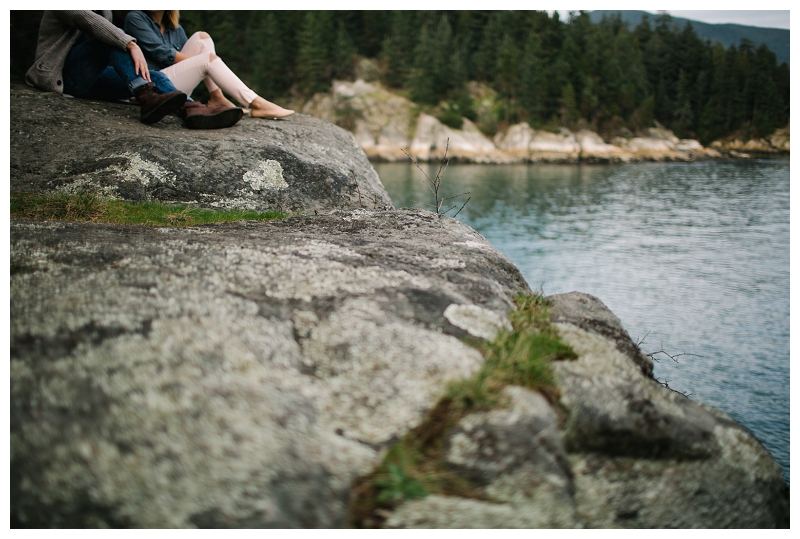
column 695, row 256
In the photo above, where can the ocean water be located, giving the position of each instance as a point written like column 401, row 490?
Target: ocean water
column 692, row 257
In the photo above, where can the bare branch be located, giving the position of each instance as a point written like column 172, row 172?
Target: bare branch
column 641, row 342
column 462, row 207
column 665, row 384
column 462, row 194
column 435, row 184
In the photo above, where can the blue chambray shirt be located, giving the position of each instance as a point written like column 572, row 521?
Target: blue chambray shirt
column 159, row 49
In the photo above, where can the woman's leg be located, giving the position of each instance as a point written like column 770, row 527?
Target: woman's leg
column 201, row 43
column 187, row 75
column 234, row 87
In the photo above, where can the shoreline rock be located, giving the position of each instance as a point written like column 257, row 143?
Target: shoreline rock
column 245, row 375
column 301, row 164
column 384, row 125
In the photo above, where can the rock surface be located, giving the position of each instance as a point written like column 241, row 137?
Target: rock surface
column 244, row 375
column 776, row 143
column 385, row 124
column 238, row 375
column 298, row 164
column 629, row 453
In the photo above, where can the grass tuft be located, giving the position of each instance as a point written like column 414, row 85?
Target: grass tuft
column 89, row 207
column 414, row 466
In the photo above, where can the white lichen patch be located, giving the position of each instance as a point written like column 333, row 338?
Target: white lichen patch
column 382, row 371
column 440, row 263
column 83, row 185
column 267, row 175
column 141, row 170
column 310, row 270
column 476, row 320
column 742, row 451
column 358, row 215
column 320, row 249
column 476, row 245
column 330, row 278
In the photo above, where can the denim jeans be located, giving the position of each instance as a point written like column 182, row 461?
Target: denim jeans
column 96, row 70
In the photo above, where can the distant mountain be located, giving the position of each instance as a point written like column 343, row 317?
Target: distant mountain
column 777, row 39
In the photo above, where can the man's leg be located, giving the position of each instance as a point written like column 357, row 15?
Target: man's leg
column 85, row 63
column 87, row 74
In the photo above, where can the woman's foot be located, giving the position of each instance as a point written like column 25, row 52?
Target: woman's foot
column 217, row 99
column 261, row 108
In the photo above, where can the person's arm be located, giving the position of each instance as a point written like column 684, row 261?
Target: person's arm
column 97, row 26
column 149, row 38
column 139, row 63
column 182, row 39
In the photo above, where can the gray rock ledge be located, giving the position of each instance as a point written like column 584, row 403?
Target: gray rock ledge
column 297, row 164
column 245, row 374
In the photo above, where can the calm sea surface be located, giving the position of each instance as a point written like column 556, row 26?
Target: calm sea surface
column 693, row 256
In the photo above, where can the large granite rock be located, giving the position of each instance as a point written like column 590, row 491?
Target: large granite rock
column 298, row 164
column 247, row 374
column 237, row 375
column 387, row 126
column 739, row 146
column 381, row 122
column 626, row 452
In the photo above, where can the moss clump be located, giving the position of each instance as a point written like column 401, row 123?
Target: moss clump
column 414, row 466
column 93, row 208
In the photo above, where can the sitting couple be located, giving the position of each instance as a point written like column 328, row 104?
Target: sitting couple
column 81, row 53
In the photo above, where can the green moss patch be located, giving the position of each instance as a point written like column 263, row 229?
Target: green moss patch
column 93, row 208
column 414, row 467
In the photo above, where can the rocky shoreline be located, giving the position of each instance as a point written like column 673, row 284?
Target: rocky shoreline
column 248, row 374
column 386, row 126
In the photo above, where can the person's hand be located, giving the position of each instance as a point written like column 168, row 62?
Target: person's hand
column 139, row 63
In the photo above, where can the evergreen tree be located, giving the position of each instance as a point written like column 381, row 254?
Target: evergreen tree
column 569, row 108
column 531, row 95
column 270, row 70
column 313, row 72
column 398, row 47
column 507, row 71
column 683, row 117
column 422, row 82
column 343, row 53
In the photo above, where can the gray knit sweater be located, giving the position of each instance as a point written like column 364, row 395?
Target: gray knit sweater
column 57, row 33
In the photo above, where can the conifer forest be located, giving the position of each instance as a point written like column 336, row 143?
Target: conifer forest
column 546, row 70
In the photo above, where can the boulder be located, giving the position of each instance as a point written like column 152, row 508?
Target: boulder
column 247, row 375
column 737, row 146
column 561, row 146
column 233, row 375
column 780, row 139
column 297, row 164
column 380, row 121
column 466, row 144
column 642, row 455
column 594, row 149
column 624, row 453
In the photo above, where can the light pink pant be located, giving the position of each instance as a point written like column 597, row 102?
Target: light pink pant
column 186, row 75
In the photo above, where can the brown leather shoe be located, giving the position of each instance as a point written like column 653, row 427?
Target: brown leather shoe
column 199, row 116
column 156, row 104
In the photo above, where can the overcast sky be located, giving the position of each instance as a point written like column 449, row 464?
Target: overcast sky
column 768, row 19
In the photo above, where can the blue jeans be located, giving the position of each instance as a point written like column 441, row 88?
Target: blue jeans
column 96, row 70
